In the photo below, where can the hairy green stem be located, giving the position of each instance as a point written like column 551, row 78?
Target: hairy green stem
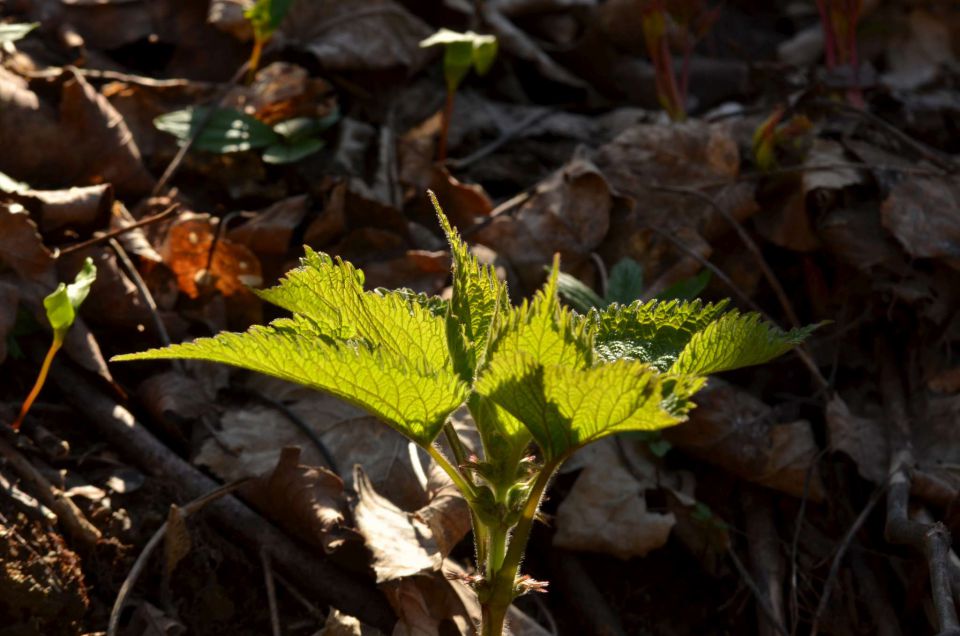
column 503, row 581
column 461, row 482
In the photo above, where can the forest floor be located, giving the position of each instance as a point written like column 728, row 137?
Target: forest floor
column 815, row 178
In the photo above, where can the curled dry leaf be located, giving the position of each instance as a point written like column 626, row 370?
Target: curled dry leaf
column 568, row 213
column 402, row 543
column 306, row 501
column 923, row 214
column 863, row 439
column 176, row 540
column 606, row 510
column 174, row 398
column 733, row 430
column 76, row 208
column 186, row 251
column 271, row 230
column 257, row 433
column 357, row 36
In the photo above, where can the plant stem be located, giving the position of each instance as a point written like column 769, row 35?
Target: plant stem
column 465, row 486
column 445, row 126
column 38, row 385
column 255, row 54
column 503, row 580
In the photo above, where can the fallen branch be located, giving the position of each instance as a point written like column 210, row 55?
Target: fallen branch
column 930, row 539
column 343, row 590
column 72, row 518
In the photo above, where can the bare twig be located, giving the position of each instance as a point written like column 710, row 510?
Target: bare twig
column 930, row 539
column 504, row 138
column 112, row 234
column 841, row 551
column 72, row 518
column 321, row 577
column 758, row 595
column 271, row 592
column 930, row 154
column 128, row 583
column 795, row 542
column 143, row 290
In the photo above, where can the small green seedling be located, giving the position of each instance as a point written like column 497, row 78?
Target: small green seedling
column 624, row 286
column 539, row 380
column 462, row 52
column 692, row 20
column 265, row 17
column 61, row 307
column 226, row 130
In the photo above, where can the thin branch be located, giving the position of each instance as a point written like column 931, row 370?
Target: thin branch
column 112, row 234
column 271, row 593
column 758, row 595
column 841, row 551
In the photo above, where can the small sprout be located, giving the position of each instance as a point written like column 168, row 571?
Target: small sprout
column 462, row 52
column 226, row 130
column 265, row 17
column 839, row 19
column 691, row 20
column 772, row 138
column 61, row 307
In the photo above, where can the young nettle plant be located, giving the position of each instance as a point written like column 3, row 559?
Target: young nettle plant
column 461, row 52
column 539, row 380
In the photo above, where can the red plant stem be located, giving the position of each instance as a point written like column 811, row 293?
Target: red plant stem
column 445, row 126
column 829, row 35
column 685, row 70
column 667, row 80
column 38, row 385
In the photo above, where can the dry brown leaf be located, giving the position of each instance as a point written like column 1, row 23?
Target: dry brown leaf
column 176, row 540
column 338, row 624
column 9, row 301
column 568, row 213
column 257, row 433
column 786, row 220
column 76, row 208
column 283, row 91
column 420, row 270
column 174, row 398
column 923, row 214
column 22, row 249
column 733, row 430
column 100, row 144
column 863, row 439
column 271, row 230
column 186, row 251
column 946, row 381
column 401, row 542
column 606, row 510
column 304, row 500
column 355, row 36
column 464, row 203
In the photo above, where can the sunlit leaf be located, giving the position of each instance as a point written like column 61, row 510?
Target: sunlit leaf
column 62, row 304
column 221, row 131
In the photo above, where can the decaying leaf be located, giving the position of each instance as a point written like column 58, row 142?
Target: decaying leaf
column 606, row 511
column 863, row 439
column 306, row 501
column 186, row 251
column 923, row 214
column 402, row 543
column 176, row 540
column 734, row 430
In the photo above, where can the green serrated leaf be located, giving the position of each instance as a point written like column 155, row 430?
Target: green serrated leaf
column 224, row 130
column 578, row 295
column 13, row 32
column 62, row 304
column 478, row 299
column 654, row 332
column 565, row 408
column 292, row 151
column 625, row 284
column 330, row 293
column 413, row 399
column 736, row 340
